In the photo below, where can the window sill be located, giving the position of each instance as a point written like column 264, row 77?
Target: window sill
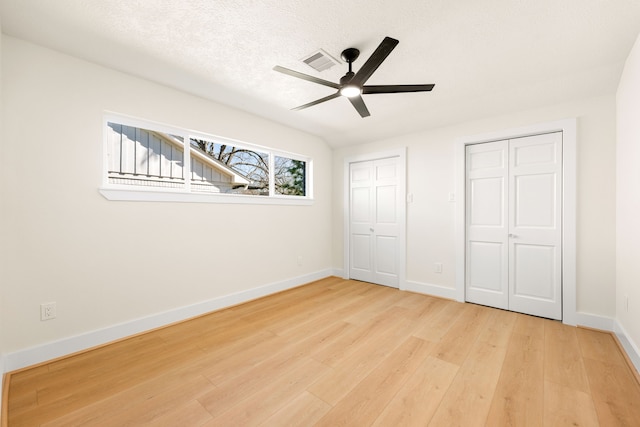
column 133, row 195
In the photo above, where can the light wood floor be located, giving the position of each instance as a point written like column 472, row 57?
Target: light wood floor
column 340, row 353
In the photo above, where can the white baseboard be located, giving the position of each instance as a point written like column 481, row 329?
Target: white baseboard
column 52, row 350
column 594, row 321
column 428, row 289
column 421, row 288
column 629, row 346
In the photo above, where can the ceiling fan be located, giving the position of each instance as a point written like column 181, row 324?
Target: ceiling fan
column 352, row 85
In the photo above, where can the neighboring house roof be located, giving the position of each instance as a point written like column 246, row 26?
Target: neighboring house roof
column 236, row 177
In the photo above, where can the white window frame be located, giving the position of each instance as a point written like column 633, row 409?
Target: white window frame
column 124, row 192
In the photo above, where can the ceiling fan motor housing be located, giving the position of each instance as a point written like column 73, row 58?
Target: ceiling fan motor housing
column 349, row 55
column 346, row 78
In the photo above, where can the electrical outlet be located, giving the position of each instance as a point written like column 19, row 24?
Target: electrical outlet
column 437, row 267
column 299, row 260
column 48, row 311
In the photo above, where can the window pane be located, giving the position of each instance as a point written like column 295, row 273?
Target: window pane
column 290, row 176
column 145, row 157
column 223, row 168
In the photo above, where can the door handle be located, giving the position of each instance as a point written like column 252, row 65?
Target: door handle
column 371, row 230
column 513, row 236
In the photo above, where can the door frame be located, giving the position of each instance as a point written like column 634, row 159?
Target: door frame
column 569, row 139
column 401, row 154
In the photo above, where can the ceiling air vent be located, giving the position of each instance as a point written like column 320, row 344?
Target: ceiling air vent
column 320, row 60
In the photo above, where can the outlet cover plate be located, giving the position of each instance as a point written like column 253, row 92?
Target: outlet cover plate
column 48, row 311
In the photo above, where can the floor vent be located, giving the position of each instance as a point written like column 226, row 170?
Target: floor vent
column 320, row 60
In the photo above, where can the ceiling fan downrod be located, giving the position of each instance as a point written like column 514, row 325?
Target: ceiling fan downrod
column 346, row 89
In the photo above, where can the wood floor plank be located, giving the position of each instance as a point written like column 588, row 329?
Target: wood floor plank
column 563, row 358
column 351, row 341
column 266, row 401
column 379, row 298
column 455, row 345
column 305, row 410
column 142, row 404
column 519, row 395
column 300, row 307
column 529, row 326
column 367, row 400
column 69, row 397
column 228, row 394
column 353, row 300
column 425, row 312
column 468, row 399
column 63, row 372
column 277, row 348
column 339, row 304
column 417, row 400
column 246, row 380
column 498, row 327
column 190, row 414
column 437, row 322
column 599, row 346
column 566, row 406
column 416, row 302
column 350, row 370
column 23, row 380
column 338, row 352
column 337, row 309
column 229, row 361
column 614, row 391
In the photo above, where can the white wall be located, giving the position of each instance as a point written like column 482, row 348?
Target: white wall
column 2, row 239
column 628, row 199
column 431, row 176
column 106, row 262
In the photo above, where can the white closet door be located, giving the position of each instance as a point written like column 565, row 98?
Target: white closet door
column 374, row 222
column 360, row 221
column 535, row 225
column 487, row 209
column 514, row 225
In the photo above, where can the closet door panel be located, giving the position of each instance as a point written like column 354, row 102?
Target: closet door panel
column 535, row 225
column 487, row 244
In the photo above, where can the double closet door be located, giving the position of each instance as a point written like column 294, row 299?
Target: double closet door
column 514, row 224
column 375, row 215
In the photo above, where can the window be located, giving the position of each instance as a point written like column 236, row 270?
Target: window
column 145, row 158
column 290, row 176
column 252, row 165
column 156, row 159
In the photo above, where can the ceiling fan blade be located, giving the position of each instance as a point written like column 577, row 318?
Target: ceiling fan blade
column 306, row 77
column 396, row 88
column 374, row 61
column 358, row 103
column 317, row 101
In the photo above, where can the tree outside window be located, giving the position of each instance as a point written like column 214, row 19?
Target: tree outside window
column 289, row 174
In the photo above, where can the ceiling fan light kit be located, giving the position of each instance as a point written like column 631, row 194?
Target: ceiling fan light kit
column 352, row 85
column 350, row 91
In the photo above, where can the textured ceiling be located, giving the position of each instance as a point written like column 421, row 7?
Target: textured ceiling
column 485, row 56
